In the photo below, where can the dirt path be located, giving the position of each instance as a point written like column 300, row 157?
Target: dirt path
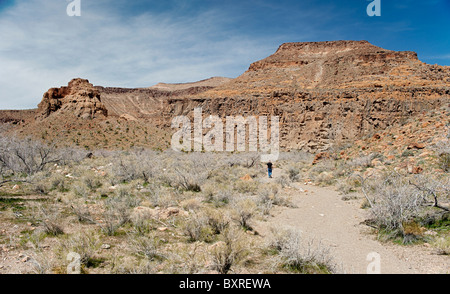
column 321, row 214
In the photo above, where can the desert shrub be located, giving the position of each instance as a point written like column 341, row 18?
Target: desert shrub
column 26, row 156
column 294, row 253
column 442, row 245
column 116, row 213
column 395, row 203
column 348, row 185
column 265, row 201
column 136, row 164
column 86, row 244
column 41, row 263
column 245, row 187
column 293, row 173
column 82, row 212
column 191, row 204
column 325, row 179
column 92, row 183
column 217, row 220
column 442, row 150
column 229, row 252
column 50, row 218
column 147, row 246
column 243, row 210
column 81, row 190
column 125, row 195
column 59, row 183
column 364, row 160
column 283, row 181
column 221, row 197
column 196, row 228
column 433, row 187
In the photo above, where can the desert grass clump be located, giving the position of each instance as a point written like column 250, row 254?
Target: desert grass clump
column 442, row 245
column 81, row 190
column 264, row 202
column 296, row 254
column 59, row 183
column 115, row 214
column 86, row 244
column 50, row 218
column 348, row 185
column 147, row 246
column 82, row 212
column 92, row 183
column 220, row 197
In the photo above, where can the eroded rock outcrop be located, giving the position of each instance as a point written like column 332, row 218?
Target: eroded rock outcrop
column 79, row 98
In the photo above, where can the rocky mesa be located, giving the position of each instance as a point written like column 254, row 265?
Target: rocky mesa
column 324, row 93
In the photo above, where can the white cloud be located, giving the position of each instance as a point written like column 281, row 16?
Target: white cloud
column 42, row 47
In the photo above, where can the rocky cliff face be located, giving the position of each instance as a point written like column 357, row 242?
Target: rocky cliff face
column 324, row 92
column 327, row 92
column 79, row 98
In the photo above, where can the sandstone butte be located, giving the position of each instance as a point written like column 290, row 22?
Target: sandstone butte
column 323, row 92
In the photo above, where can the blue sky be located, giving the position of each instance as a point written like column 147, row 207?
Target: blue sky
column 140, row 43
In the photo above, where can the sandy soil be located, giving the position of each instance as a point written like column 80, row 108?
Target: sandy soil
column 322, row 215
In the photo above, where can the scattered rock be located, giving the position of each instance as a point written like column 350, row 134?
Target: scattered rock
column 247, row 178
column 416, row 146
column 106, row 246
column 320, row 156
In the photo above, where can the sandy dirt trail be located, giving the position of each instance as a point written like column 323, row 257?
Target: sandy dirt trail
column 322, row 215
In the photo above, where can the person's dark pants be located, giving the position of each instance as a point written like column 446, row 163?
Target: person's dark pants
column 270, row 172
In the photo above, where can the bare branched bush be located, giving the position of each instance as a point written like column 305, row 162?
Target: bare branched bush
column 433, row 187
column 395, row 203
column 26, row 156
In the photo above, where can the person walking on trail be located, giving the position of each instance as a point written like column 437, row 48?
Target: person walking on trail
column 269, row 169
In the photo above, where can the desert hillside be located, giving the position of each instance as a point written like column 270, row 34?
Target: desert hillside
column 365, row 137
